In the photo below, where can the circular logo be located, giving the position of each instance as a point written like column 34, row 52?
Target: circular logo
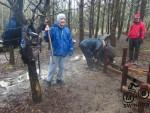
column 128, row 97
column 143, row 93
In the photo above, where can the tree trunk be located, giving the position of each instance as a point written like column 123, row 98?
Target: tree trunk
column 98, row 16
column 102, row 29
column 17, row 11
column 112, row 13
column 122, row 19
column 53, row 11
column 130, row 14
column 143, row 8
column 108, row 17
column 119, row 16
column 49, row 11
column 69, row 14
column 81, row 23
column 114, row 23
column 91, row 20
column 42, row 18
column 137, row 6
column 148, row 26
column 12, row 55
column 34, row 82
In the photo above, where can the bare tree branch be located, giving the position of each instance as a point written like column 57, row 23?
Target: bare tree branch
column 26, row 7
column 41, row 10
column 56, row 12
column 10, row 2
column 5, row 5
column 36, row 7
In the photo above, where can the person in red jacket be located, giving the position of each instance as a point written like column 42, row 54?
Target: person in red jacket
column 136, row 37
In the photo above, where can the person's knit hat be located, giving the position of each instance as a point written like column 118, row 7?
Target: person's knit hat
column 137, row 15
column 60, row 16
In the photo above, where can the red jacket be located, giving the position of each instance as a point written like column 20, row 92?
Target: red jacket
column 137, row 30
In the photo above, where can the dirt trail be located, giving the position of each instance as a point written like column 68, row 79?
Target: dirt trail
column 84, row 91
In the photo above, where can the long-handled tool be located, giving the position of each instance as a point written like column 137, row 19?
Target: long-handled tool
column 50, row 41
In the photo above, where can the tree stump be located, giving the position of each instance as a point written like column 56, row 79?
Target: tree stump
column 34, row 82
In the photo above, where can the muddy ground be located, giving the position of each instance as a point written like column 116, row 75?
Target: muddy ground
column 84, row 91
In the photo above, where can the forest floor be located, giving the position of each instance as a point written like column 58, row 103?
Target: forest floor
column 84, row 91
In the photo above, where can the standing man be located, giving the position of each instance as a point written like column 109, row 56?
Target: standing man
column 136, row 37
column 61, row 40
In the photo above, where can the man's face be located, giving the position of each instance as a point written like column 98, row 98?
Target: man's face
column 137, row 19
column 62, row 22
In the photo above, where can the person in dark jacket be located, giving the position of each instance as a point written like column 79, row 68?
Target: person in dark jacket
column 135, row 37
column 90, row 48
column 94, row 50
column 62, row 45
column 12, row 33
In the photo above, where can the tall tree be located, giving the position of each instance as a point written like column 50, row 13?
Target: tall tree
column 114, row 23
column 143, row 8
column 17, row 12
column 148, row 26
column 119, row 14
column 130, row 14
column 137, row 5
column 81, row 22
column 53, row 11
column 98, row 18
column 91, row 19
column 120, row 24
column 69, row 14
column 108, row 16
column 103, row 19
column 112, row 12
column 44, row 12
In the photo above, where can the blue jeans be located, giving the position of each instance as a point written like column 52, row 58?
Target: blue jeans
column 58, row 62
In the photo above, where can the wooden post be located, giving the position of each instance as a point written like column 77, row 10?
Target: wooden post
column 11, row 55
column 124, row 76
column 148, row 75
column 124, row 57
column 141, row 100
column 34, row 83
column 140, row 106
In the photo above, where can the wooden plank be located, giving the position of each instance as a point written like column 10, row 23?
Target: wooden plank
column 132, row 78
column 114, row 70
column 138, row 72
column 148, row 75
